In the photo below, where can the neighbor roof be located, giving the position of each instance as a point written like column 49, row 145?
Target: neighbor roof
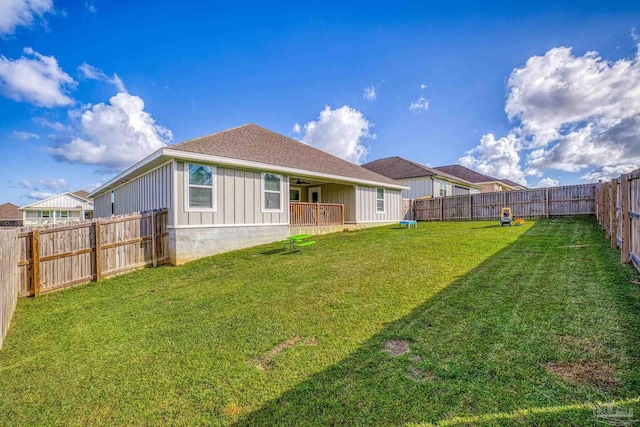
column 254, row 143
column 466, row 173
column 82, row 193
column 10, row 211
column 400, row 168
column 512, row 183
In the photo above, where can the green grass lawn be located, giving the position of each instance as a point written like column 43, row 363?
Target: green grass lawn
column 524, row 325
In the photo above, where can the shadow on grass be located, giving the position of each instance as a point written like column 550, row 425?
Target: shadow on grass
column 479, row 346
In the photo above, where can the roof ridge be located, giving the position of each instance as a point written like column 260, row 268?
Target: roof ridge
column 211, row 134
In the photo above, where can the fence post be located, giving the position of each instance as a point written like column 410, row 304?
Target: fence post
column 470, row 207
column 441, row 209
column 624, row 217
column 35, row 255
column 318, row 214
column 614, row 214
column 153, row 239
column 605, row 208
column 98, row 250
column 546, row 201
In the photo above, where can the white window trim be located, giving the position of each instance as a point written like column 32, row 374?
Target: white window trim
column 384, row 201
column 291, row 188
column 41, row 214
column 214, row 188
column 262, row 192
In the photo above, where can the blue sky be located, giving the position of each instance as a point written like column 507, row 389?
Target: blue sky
column 179, row 70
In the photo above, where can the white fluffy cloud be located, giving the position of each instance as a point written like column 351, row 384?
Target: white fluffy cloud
column 296, row 128
column 498, row 158
column 419, row 105
column 92, row 73
column 23, row 136
column 576, row 112
column 340, row 132
column 370, row 93
column 548, row 182
column 39, row 195
column 114, row 135
column 607, row 173
column 16, row 13
column 36, row 79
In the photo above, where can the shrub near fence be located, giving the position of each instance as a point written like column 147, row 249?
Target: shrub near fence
column 618, row 212
column 531, row 203
column 62, row 256
column 8, row 278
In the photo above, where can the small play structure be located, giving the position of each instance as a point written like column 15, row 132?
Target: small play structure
column 519, row 221
column 505, row 217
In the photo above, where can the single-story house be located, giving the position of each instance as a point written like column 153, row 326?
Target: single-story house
column 247, row 186
column 10, row 215
column 485, row 182
column 422, row 180
column 60, row 209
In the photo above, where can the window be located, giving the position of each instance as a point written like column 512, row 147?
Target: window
column 379, row 199
column 272, row 192
column 44, row 214
column 294, row 194
column 113, row 203
column 200, row 187
column 443, row 189
column 62, row 214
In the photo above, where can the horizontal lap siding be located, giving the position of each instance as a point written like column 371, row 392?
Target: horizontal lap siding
column 144, row 193
column 366, row 204
column 238, row 200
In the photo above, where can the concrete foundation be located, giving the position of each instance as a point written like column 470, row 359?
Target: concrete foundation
column 189, row 244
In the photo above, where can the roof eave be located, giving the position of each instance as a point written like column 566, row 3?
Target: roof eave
column 170, row 153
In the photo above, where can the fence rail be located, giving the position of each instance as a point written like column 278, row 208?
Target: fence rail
column 71, row 254
column 315, row 214
column 530, row 203
column 618, row 213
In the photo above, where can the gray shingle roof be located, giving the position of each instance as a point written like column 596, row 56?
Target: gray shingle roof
column 254, row 143
column 398, row 168
column 466, row 173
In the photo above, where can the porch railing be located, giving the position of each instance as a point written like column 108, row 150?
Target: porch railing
column 315, row 214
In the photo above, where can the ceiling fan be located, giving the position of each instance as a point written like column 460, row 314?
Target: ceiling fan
column 298, row 182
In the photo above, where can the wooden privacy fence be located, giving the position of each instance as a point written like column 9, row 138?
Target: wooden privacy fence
column 618, row 212
column 63, row 256
column 530, row 203
column 309, row 214
column 8, row 278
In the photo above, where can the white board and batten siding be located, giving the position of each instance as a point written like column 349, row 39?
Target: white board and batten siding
column 63, row 201
column 152, row 190
column 342, row 195
column 367, row 205
column 238, row 196
column 421, row 186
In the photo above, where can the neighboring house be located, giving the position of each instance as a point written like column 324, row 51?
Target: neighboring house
column 422, row 180
column 513, row 185
column 247, row 186
column 10, row 215
column 60, row 209
column 485, row 182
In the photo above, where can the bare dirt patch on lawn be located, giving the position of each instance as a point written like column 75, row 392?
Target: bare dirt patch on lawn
column 264, row 362
column 396, row 347
column 596, row 372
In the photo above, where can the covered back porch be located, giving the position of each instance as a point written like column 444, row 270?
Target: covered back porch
column 314, row 203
